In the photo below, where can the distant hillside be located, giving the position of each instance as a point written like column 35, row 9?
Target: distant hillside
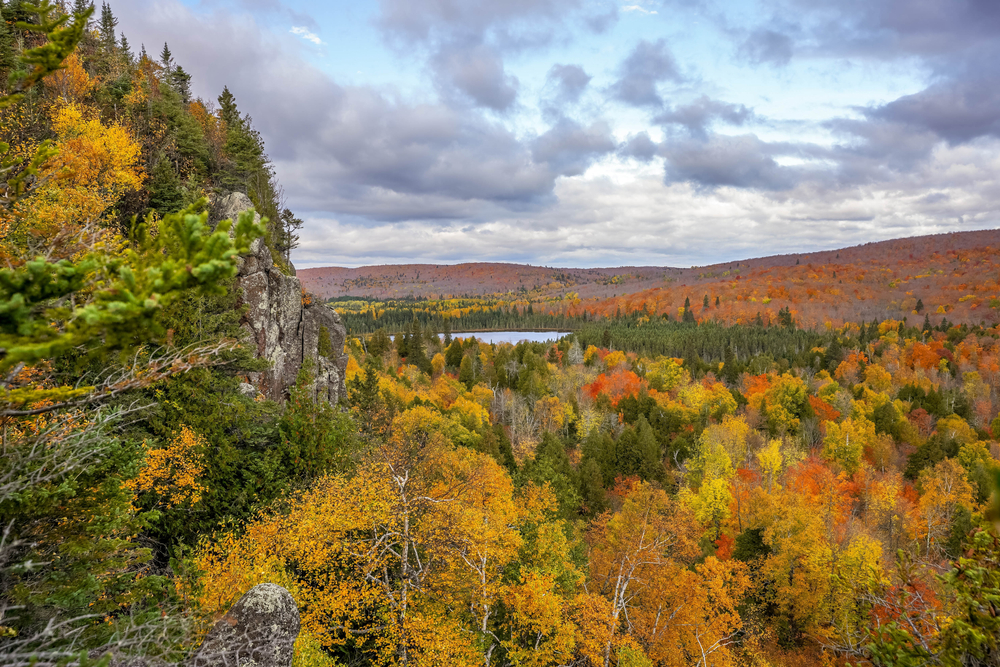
column 949, row 275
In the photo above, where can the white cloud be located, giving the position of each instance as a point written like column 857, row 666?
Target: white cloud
column 637, row 8
column 307, row 35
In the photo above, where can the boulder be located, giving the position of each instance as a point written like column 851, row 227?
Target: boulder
column 259, row 631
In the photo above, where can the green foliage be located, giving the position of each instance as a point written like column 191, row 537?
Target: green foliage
column 972, row 636
column 62, row 36
column 315, row 436
column 125, row 294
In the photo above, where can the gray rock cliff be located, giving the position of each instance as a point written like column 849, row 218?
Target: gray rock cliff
column 284, row 322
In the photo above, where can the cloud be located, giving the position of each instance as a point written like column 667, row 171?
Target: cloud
column 648, row 64
column 638, row 8
column 477, row 72
column 569, row 82
column 569, row 148
column 955, row 110
column 639, row 147
column 738, row 161
column 701, row 113
column 380, row 176
column 765, row 46
column 306, row 34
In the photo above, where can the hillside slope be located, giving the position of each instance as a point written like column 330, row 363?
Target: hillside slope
column 944, row 275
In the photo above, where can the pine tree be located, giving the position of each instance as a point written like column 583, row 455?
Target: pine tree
column 716, row 302
column 920, row 306
column 167, row 59
column 227, row 107
column 704, row 303
column 106, row 27
column 125, row 49
column 7, row 57
column 688, row 315
column 181, row 82
column 82, row 6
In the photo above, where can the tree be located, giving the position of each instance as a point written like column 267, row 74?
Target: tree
column 167, row 60
column 631, row 552
column 107, row 26
column 181, row 81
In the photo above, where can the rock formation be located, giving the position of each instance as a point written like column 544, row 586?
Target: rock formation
column 287, row 325
column 260, row 630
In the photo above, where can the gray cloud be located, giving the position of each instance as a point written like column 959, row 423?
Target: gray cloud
column 342, row 148
column 739, row 161
column 601, row 22
column 639, row 147
column 380, row 177
column 569, row 82
column 956, row 110
column 649, row 64
column 478, row 72
column 569, row 148
column 467, row 40
column 767, row 46
column 701, row 113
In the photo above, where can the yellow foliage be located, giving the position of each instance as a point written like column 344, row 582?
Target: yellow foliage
column 614, row 359
column 172, row 473
column 71, row 84
column 95, row 166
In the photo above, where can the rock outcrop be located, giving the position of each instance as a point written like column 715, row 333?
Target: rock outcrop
column 260, row 630
column 288, row 326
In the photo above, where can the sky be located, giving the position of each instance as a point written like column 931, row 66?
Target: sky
column 592, row 133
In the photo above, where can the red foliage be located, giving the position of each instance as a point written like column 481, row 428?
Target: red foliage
column 824, row 411
column 618, row 385
column 724, row 547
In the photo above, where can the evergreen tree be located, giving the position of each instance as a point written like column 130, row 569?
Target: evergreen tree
column 704, row 303
column 166, row 194
column 288, row 234
column 453, row 355
column 466, row 372
column 106, row 27
column 920, row 306
column 81, row 7
column 227, row 107
column 688, row 315
column 125, row 49
column 716, row 302
column 7, row 55
column 167, row 59
column 181, row 82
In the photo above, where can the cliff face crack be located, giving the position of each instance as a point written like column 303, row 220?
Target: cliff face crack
column 285, row 326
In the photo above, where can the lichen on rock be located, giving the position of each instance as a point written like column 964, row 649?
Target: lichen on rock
column 286, row 327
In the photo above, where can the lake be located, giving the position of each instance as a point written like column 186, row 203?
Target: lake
column 512, row 337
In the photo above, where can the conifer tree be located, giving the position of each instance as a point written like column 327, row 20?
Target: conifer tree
column 704, row 303
column 125, row 49
column 7, row 57
column 81, row 6
column 181, row 82
column 106, row 27
column 167, row 59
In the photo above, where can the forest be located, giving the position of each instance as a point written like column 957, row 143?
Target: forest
column 937, row 278
column 677, row 491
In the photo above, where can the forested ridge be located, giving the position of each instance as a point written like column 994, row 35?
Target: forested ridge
column 660, row 487
column 944, row 276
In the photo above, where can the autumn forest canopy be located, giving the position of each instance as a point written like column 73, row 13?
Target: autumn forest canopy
column 781, row 462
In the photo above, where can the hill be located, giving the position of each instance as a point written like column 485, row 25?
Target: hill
column 944, row 275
